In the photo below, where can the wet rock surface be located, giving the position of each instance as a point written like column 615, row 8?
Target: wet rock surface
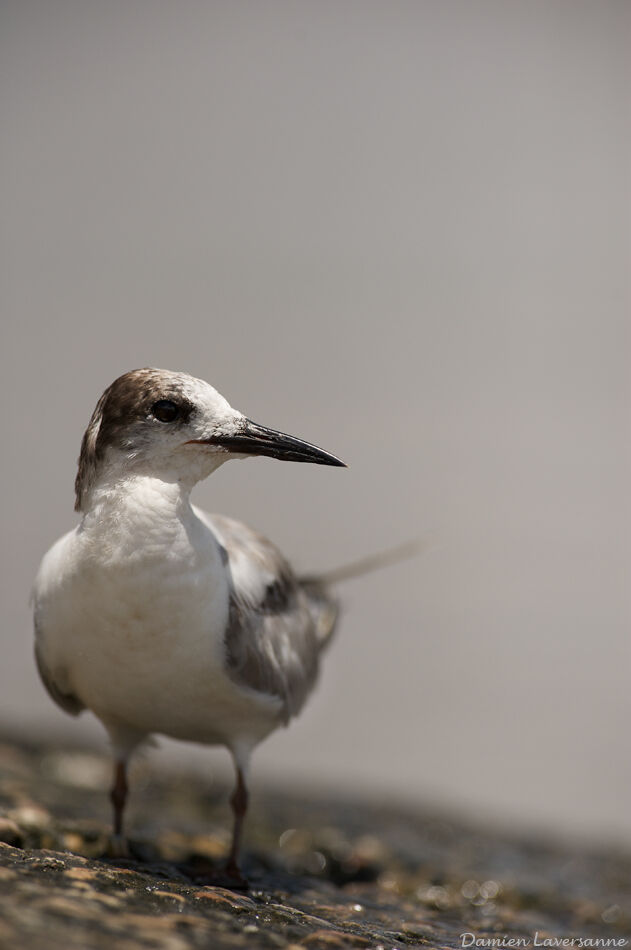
column 324, row 873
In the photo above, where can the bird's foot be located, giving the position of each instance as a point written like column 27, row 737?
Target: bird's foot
column 201, row 871
column 118, row 847
column 235, row 874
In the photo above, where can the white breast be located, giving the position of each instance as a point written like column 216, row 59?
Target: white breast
column 131, row 610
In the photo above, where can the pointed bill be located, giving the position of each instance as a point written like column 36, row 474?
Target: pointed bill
column 254, row 439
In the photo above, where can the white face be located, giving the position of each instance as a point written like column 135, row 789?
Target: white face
column 147, row 422
column 176, row 428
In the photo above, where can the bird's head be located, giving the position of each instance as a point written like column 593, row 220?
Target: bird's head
column 175, row 427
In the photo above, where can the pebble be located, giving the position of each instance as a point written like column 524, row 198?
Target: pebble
column 10, row 832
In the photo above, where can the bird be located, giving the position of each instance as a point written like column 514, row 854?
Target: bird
column 161, row 618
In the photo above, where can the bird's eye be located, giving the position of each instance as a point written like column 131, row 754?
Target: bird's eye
column 165, row 410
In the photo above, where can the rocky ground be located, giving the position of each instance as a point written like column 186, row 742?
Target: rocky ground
column 324, row 873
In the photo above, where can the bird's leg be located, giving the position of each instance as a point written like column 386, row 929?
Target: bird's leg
column 201, row 870
column 239, row 803
column 118, row 797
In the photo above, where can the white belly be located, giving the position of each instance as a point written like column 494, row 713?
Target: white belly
column 137, row 636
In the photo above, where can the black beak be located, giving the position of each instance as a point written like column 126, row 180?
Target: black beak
column 253, row 439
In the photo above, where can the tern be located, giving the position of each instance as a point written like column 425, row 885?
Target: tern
column 160, row 618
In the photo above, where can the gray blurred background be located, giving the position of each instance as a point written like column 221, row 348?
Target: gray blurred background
column 399, row 230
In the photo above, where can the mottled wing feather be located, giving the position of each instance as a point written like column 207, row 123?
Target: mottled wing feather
column 277, row 625
column 324, row 608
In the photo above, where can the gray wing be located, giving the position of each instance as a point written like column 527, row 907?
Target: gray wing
column 278, row 625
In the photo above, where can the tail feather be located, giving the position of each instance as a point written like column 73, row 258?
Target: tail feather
column 365, row 565
column 325, row 607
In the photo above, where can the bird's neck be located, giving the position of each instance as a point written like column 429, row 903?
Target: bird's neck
column 138, row 504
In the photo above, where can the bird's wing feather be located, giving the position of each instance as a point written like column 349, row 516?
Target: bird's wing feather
column 68, row 702
column 277, row 625
column 49, row 572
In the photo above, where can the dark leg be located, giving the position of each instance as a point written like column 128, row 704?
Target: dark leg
column 239, row 802
column 201, row 870
column 118, row 797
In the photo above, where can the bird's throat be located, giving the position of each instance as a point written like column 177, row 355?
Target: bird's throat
column 138, row 512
